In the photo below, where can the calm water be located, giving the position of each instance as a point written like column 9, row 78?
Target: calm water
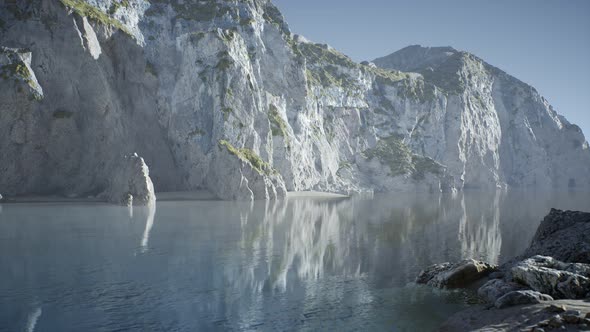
column 301, row 264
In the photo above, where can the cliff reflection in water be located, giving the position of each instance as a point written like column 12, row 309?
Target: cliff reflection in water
column 387, row 238
column 302, row 263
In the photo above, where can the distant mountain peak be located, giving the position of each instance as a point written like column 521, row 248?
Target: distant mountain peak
column 416, row 57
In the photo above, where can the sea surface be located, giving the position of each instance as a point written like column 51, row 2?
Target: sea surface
column 338, row 264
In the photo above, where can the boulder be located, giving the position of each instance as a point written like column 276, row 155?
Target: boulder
column 563, row 235
column 457, row 275
column 550, row 276
column 131, row 183
column 494, row 289
column 521, row 297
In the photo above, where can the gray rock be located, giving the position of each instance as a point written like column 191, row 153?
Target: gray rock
column 556, row 308
column 432, row 271
column 563, row 235
column 131, row 183
column 549, row 276
column 521, row 297
column 496, row 275
column 572, row 316
column 517, row 318
column 555, row 321
column 496, row 288
column 456, row 275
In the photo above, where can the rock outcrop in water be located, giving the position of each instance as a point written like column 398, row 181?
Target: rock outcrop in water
column 131, row 183
column 180, row 81
column 536, row 280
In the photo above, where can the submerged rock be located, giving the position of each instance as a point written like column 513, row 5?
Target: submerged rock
column 457, row 275
column 563, row 235
column 521, row 297
column 550, row 276
column 131, row 183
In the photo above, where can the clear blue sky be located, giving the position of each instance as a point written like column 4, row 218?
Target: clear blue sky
column 545, row 43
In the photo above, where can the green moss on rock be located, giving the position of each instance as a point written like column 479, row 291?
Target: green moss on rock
column 250, row 157
column 116, row 5
column 17, row 70
column 82, row 8
column 277, row 124
column 323, row 55
column 393, row 153
column 417, row 89
column 227, row 111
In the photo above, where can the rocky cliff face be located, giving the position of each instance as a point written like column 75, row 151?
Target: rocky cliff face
column 220, row 95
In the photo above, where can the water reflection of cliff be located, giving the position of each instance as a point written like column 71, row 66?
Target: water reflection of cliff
column 387, row 239
column 308, row 253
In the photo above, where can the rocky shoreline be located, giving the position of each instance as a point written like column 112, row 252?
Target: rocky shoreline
column 546, row 288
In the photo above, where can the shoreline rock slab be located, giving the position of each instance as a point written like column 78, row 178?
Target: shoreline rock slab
column 521, row 297
column 516, row 318
column 550, row 276
column 457, row 275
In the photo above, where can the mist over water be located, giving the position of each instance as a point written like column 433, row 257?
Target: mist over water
column 302, row 263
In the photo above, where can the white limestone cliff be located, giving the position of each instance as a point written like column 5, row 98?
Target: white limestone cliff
column 220, row 95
